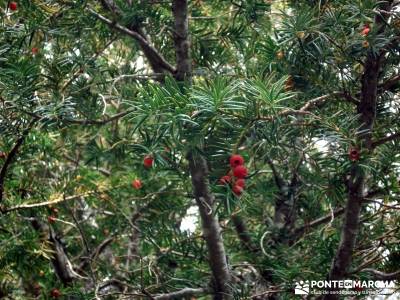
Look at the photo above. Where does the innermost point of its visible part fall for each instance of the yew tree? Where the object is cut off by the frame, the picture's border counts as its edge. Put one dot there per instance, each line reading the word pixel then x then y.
pixel 197 149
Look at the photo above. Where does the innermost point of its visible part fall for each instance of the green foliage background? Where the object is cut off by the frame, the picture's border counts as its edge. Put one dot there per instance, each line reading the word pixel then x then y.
pixel 252 61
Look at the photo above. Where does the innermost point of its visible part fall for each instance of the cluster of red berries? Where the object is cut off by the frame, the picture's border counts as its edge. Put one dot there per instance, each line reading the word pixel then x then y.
pixel 239 172
pixel 147 163
pixel 13 6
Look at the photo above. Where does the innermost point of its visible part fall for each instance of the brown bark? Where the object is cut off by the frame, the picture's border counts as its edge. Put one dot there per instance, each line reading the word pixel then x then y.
pixel 199 169
pixel 367 111
pixel 157 62
pixel 211 228
pixel 181 40
pixel 343 256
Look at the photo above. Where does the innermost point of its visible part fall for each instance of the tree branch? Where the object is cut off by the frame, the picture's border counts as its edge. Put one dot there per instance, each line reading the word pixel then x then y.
pixel 199 170
pixel 310 104
pixel 388 84
pixel 386 139
pixel 95 253
pixel 10 157
pixel 211 228
pixel 46 203
pixel 280 183
pixel 343 257
pixel 186 292
pixel 367 111
pixel 62 265
pixel 181 40
pixel 243 233
pixel 381 275
pixel 156 60
pixel 298 232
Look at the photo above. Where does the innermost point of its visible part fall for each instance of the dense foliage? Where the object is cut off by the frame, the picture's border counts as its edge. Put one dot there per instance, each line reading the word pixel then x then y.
pixel 114 129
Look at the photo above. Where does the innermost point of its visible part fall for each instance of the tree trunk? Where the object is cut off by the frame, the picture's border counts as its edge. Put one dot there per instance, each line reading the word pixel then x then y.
pixel 211 229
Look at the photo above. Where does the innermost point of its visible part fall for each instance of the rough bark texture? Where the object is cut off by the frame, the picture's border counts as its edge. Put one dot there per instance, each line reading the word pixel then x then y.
pixel 342 260
pixel 369 88
pixel 367 111
pixel 181 40
pixel 211 228
pixel 198 166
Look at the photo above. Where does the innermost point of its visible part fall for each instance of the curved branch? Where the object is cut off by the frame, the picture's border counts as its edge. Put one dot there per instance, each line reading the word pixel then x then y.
pixel 156 60
pixel 298 232
pixel 10 157
pixel 383 276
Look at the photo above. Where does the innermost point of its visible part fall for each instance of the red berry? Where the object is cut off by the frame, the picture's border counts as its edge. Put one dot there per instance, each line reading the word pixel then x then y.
pixel 236 160
pixel 354 154
pixel 51 219
pixel 225 180
pixel 137 184
pixel 237 190
pixel 365 31
pixel 240 172
pixel 241 182
pixel 55 293
pixel 36 289
pixel 34 50
pixel 13 5
pixel 148 161
pixel 2 155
